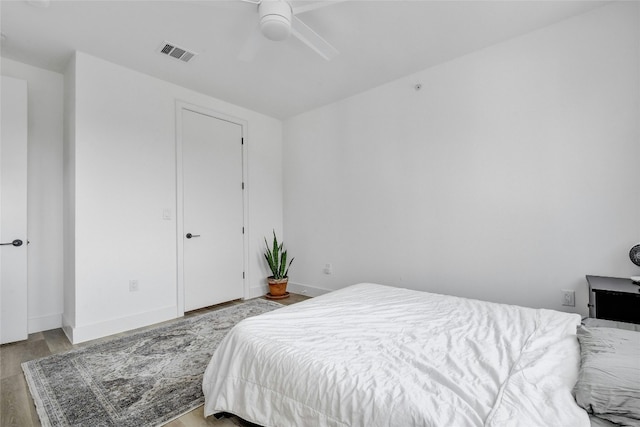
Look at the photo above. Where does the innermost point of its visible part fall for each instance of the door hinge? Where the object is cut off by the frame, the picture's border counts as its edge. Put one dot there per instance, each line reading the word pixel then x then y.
pixel 243 274
pixel 242 230
pixel 242 141
pixel 243 185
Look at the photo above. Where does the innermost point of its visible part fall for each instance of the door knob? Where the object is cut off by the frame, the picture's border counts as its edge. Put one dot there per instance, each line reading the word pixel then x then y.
pixel 16 242
pixel 189 235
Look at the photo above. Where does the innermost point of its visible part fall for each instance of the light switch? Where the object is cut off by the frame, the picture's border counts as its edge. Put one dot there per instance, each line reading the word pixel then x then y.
pixel 166 214
pixel 328 269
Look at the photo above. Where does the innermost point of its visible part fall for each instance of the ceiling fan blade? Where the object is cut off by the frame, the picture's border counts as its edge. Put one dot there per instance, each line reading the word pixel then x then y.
pixel 313 5
pixel 309 37
pixel 251 46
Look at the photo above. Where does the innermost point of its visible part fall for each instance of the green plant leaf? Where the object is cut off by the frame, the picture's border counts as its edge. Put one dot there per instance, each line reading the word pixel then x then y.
pixel 276 268
pixel 286 273
pixel 283 263
pixel 269 257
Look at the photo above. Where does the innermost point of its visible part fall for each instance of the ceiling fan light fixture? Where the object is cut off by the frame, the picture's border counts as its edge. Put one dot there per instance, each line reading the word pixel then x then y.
pixel 275 27
pixel 275 19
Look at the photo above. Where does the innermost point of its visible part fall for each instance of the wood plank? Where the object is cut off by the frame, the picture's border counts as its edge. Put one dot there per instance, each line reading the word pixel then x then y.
pixel 16 406
pixel 12 355
pixel 196 418
pixel 293 299
pixel 57 341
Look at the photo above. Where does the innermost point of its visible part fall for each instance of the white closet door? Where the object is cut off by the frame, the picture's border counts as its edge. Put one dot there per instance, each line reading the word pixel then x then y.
pixel 212 210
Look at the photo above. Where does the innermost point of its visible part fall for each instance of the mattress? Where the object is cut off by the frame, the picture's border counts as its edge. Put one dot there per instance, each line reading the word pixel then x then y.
pixel 373 355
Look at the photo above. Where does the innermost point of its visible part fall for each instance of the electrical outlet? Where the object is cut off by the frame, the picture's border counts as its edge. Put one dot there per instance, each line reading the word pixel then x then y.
pixel 133 286
pixel 328 269
pixel 569 298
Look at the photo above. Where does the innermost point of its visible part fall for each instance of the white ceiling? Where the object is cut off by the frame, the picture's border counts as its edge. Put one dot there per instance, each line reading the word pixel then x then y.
pixel 379 41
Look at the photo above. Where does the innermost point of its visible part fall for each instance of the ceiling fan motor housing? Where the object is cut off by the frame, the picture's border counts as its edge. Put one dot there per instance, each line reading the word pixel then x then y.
pixel 275 19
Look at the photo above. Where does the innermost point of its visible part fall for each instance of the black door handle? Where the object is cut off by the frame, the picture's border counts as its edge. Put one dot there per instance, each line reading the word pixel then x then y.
pixel 189 235
pixel 16 243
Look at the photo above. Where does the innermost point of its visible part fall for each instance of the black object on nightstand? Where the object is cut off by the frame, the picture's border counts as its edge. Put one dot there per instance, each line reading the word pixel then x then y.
pixel 614 298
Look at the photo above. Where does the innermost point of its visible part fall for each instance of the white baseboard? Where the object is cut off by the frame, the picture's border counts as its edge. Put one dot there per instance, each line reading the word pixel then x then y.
pixel 78 334
pixel 308 290
pixel 45 323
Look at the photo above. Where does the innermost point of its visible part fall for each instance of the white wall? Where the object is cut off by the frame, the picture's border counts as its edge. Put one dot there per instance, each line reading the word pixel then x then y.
pixel 44 192
pixel 510 175
pixel 125 176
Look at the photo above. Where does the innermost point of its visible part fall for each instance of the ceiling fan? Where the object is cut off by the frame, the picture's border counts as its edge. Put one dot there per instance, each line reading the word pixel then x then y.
pixel 278 21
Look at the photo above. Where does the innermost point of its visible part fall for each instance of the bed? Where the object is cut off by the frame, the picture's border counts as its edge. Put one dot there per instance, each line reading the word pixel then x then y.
pixel 373 355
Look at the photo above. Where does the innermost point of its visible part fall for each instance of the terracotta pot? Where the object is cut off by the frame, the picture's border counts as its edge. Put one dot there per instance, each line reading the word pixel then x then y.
pixel 277 287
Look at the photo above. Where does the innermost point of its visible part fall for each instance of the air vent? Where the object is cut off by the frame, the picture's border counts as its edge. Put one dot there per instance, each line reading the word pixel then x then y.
pixel 170 49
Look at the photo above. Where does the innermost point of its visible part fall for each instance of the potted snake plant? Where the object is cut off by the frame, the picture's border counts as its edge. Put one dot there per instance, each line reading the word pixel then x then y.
pixel 276 257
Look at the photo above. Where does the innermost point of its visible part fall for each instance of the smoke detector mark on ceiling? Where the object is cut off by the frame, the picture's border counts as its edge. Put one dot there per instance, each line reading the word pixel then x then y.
pixel 170 49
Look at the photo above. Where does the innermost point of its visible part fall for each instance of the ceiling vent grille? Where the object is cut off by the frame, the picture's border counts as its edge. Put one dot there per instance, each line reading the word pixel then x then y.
pixel 170 49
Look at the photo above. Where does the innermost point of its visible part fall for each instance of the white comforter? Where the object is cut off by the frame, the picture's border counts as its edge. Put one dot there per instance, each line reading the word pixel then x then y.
pixel 372 355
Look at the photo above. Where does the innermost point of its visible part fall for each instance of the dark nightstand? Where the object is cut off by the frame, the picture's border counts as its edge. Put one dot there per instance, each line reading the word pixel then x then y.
pixel 614 298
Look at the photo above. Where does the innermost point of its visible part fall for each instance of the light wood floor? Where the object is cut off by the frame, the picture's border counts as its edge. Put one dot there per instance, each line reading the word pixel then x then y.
pixel 16 405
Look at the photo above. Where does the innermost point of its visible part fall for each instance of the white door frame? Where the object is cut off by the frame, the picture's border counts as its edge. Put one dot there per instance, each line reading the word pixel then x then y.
pixel 180 107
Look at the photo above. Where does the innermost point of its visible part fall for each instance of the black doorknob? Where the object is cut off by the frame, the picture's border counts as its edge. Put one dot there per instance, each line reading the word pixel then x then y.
pixel 16 242
pixel 189 235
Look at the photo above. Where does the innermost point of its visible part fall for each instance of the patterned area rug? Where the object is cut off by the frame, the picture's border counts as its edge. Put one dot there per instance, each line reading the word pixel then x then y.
pixel 146 379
